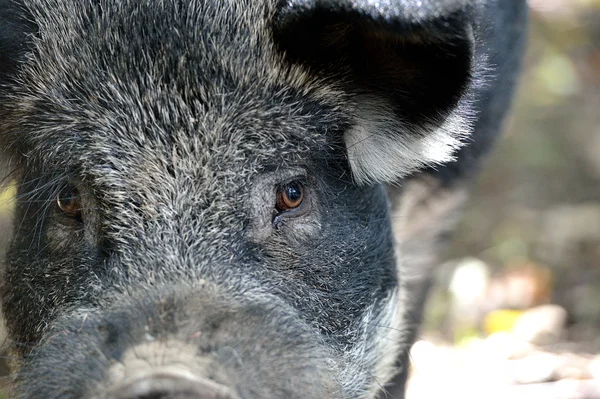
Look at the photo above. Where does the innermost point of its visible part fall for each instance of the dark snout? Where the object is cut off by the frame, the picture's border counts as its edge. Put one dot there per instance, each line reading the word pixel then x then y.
pixel 190 343
pixel 176 383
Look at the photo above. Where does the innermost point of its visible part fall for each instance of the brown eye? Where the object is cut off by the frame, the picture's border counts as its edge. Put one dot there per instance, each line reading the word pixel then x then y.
pixel 289 196
pixel 68 201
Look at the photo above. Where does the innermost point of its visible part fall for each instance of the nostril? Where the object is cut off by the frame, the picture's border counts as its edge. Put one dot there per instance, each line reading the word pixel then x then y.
pixel 170 386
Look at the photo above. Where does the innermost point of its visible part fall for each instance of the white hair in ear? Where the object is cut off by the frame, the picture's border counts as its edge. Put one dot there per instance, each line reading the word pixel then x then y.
pixel 383 148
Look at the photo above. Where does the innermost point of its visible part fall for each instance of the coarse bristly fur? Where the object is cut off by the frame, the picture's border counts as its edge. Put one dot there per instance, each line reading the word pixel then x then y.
pixel 179 123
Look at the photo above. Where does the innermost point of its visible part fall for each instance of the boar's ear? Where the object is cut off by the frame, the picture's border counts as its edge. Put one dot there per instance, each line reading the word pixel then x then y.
pixel 16 28
pixel 406 68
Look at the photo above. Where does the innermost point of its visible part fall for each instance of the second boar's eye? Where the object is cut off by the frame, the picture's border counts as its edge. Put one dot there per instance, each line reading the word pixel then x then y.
pixel 68 202
pixel 289 196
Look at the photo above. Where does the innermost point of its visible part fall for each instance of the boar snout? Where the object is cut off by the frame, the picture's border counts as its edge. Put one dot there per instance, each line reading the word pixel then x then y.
pixel 172 383
pixel 184 343
pixel 165 370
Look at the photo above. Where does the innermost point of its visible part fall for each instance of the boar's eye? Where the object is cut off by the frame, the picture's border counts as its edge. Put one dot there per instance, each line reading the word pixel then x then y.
pixel 292 200
pixel 289 196
pixel 68 201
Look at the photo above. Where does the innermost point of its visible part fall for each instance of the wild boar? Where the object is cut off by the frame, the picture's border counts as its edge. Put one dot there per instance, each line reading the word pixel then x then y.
pixel 202 208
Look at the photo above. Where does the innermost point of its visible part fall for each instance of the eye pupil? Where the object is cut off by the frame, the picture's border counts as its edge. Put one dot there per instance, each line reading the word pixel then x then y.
pixel 289 196
pixel 293 193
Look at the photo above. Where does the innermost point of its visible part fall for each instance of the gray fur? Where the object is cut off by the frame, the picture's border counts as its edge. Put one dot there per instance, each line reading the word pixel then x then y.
pixel 178 121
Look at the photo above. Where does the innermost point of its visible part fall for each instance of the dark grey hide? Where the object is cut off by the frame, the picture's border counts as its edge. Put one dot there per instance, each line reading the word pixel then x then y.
pixel 179 124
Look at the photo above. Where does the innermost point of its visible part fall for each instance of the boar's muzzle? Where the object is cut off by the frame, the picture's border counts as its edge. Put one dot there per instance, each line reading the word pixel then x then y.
pixel 181 343
pixel 176 384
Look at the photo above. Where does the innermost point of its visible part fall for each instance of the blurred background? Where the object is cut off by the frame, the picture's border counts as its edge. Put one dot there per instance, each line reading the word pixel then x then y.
pixel 516 309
